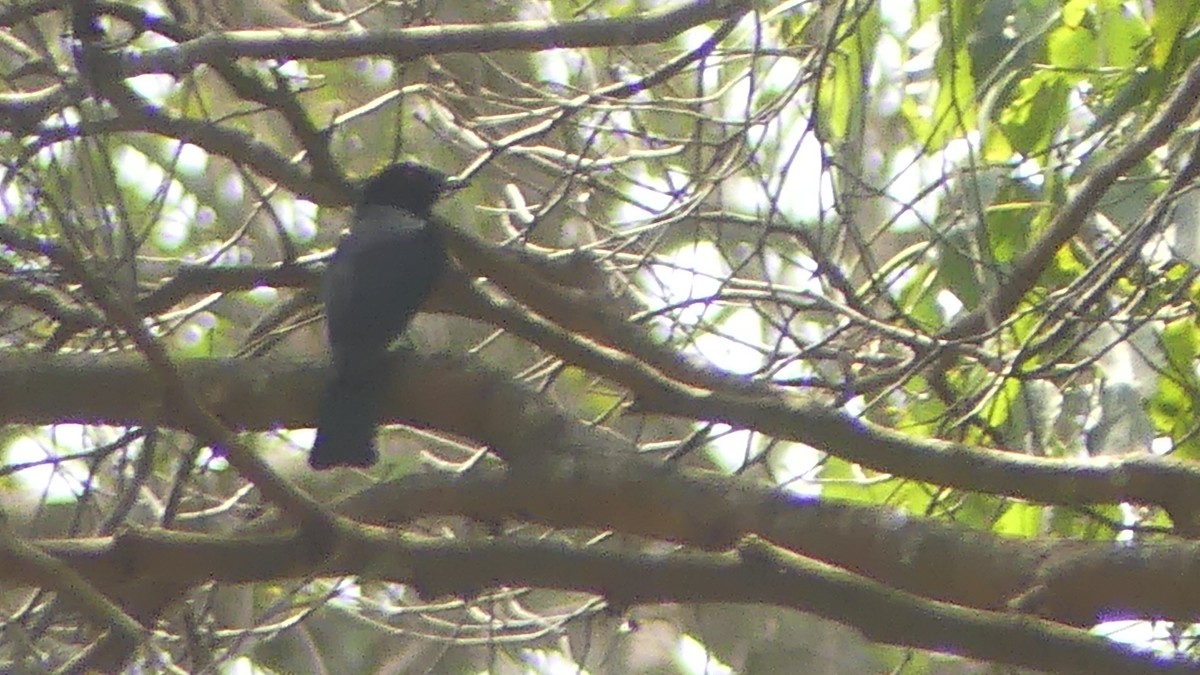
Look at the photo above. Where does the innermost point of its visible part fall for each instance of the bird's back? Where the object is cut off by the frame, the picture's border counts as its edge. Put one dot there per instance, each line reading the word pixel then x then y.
pixel 381 273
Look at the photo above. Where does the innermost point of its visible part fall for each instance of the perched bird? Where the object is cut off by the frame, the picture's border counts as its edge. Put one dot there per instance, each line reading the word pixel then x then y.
pixel 380 274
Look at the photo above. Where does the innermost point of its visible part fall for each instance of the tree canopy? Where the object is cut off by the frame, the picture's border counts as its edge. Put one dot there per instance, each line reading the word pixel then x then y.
pixel 777 337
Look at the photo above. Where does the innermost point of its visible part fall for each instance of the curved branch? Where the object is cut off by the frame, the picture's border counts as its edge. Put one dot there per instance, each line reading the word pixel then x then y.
pixel 1028 269
pixel 757 573
pixel 662 382
pixel 566 473
pixel 412 43
pixel 22 560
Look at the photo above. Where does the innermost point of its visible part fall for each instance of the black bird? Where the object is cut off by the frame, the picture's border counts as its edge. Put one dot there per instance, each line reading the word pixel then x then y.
pixel 380 274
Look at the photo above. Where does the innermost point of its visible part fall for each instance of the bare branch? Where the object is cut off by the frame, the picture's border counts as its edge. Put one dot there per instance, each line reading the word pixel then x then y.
pixel 412 43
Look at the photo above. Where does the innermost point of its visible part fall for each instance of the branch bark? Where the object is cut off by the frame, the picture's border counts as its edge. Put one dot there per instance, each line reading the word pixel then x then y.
pixel 411 43
pixel 565 473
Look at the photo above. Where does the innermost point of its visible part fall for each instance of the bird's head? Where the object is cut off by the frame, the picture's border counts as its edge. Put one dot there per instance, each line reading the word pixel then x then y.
pixel 407 185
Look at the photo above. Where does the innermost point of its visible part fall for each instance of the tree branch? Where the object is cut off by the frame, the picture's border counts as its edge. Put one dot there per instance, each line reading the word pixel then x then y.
pixel 412 43
pixel 998 305
pixel 569 474
pixel 761 573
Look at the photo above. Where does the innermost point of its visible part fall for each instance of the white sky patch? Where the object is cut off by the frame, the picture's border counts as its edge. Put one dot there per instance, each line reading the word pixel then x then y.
pixel 1079 114
pixel 907 180
pixel 1031 171
pixel 695 272
pixel 190 335
pixel 898 16
pixel 214 462
pixel 61 481
pixel 217 254
pixel 550 663
pixel 739 101
pixel 1143 634
pixel 806 188
pixel 910 175
pixel 949 303
pixel 782 74
pixel 795 369
pixel 298 216
pixel 923 44
pixel 731 449
pixel 179 208
pixel 615 125
pixel 233 190
pixel 134 168
pixel 693 658
pixel 791 466
pixel 11 201
pixel 887 75
pixel 265 295
pixel 648 196
pixel 691 272
pixel 242 665
pixel 558 66
pixel 303 438
pixel 798 271
pixel 1117 365
pixel 174 227
pixel 293 69
pixel 692 38
pixel 205 217
pixel 154 87
pixel 1162 445
pixel 191 160
pixel 63 153
pixel 958 152
pixel 197 328
pixel 731 346
pixel 743 194
pixel 154 9
pixel 381 71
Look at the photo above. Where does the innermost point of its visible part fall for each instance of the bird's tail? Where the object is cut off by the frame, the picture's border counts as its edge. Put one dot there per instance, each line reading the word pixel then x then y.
pixel 346 420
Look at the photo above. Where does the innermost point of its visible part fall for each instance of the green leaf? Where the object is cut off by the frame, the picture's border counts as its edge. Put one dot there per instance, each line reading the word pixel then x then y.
pixel 1076 12
pixel 1008 222
pixel 1171 21
pixel 840 99
pixel 847 483
pixel 998 408
pixel 954 110
pixel 1172 406
pixel 1072 48
pixel 1038 112
pixel 1123 35
pixel 1180 344
pixel 1067 523
pixel 918 299
pixel 957 271
pixel 1021 519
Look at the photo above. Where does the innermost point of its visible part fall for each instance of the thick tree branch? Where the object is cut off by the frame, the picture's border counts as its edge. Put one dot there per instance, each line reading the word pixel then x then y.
pixel 26 562
pixel 1059 580
pixel 180 397
pixel 760 573
pixel 412 43
pixel 665 382
pixel 569 474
